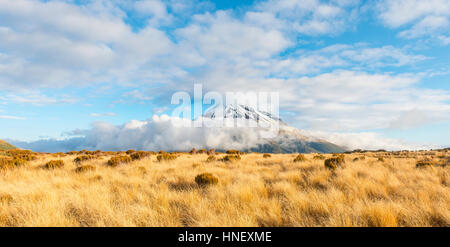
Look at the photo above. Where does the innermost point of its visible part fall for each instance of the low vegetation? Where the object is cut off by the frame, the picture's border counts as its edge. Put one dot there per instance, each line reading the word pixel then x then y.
pixel 166 157
pixel 206 179
pixel 230 158
pixel 300 158
pixel 120 159
pixel 407 189
pixel 53 164
pixel 334 163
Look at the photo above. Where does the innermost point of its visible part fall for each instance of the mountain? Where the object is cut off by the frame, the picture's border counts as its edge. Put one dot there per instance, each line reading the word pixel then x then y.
pixel 288 139
pixel 5 146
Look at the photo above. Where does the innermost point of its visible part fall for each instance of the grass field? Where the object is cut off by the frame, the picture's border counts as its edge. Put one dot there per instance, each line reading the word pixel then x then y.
pixel 377 189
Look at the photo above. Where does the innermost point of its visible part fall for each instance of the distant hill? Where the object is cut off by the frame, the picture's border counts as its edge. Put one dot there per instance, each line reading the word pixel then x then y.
pixel 6 146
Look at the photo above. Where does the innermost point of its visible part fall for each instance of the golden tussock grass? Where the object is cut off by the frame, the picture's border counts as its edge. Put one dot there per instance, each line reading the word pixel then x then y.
pixel 252 191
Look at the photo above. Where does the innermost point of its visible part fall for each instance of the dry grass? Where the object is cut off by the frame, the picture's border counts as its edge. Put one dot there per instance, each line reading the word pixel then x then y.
pixel 253 191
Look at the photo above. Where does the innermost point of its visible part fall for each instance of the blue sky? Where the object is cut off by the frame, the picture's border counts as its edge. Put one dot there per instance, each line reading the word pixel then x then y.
pixel 343 68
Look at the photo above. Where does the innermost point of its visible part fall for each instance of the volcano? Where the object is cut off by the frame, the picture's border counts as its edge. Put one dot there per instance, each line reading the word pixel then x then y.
pixel 288 139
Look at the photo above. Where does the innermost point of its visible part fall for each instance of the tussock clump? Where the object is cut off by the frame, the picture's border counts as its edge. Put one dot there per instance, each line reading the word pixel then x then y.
pixel 319 157
pixel 206 179
pixel 11 162
pixel 232 151
pixel 72 153
pixel 130 151
pixel 83 158
pixel 201 151
pixel 59 154
pixel 211 152
pixel 211 158
pixel 355 159
pixel 166 157
pixel 53 164
pixel 140 155
pixel 335 162
pixel 84 168
pixel 424 163
pixel 231 158
pixel 381 159
pixel 117 160
pixel 267 155
pixel 300 158
pixel 6 164
pixel 193 151
pixel 26 155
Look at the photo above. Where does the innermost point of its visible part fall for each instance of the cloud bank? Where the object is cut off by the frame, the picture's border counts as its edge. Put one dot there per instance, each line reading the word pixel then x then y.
pixel 165 133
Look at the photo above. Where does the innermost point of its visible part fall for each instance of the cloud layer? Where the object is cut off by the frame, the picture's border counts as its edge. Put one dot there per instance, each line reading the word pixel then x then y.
pixel 165 133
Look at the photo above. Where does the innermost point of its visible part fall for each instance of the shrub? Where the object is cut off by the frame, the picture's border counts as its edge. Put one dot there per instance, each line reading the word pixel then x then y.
pixel 231 151
pixel 19 162
pixel 267 155
pixel 52 164
pixel 231 158
pixel 355 159
pixel 26 155
pixel 335 162
pixel 120 159
pixel 300 158
pixel 83 158
pixel 319 157
pixel 6 163
pixel 85 168
pixel 211 152
pixel 211 158
pixel 140 155
pixel 201 151
pixel 381 159
pixel 166 157
pixel 423 164
pixel 206 179
pixel 193 151
pixel 130 151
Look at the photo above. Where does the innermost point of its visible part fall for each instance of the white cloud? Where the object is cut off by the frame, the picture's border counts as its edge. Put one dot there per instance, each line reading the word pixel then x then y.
pixel 106 114
pixel 162 133
pixel 11 117
pixel 426 17
pixel 312 17
pixel 368 141
pixel 340 55
pixel 56 44
pixel 37 99
pixel 156 9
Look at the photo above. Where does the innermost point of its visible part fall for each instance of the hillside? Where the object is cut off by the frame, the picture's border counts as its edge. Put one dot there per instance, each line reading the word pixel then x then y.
pixel 5 146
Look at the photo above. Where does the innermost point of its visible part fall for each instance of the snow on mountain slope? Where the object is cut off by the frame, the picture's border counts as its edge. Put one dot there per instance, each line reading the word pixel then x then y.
pixel 287 140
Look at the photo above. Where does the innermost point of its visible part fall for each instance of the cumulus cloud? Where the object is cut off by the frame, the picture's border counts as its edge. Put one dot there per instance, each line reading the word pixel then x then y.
pixel 311 17
pixel 57 44
pixel 368 141
pixel 420 17
pixel 159 133
pixel 169 133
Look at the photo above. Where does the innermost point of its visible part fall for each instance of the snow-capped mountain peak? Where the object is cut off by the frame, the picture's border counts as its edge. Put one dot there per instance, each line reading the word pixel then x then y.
pixel 243 112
